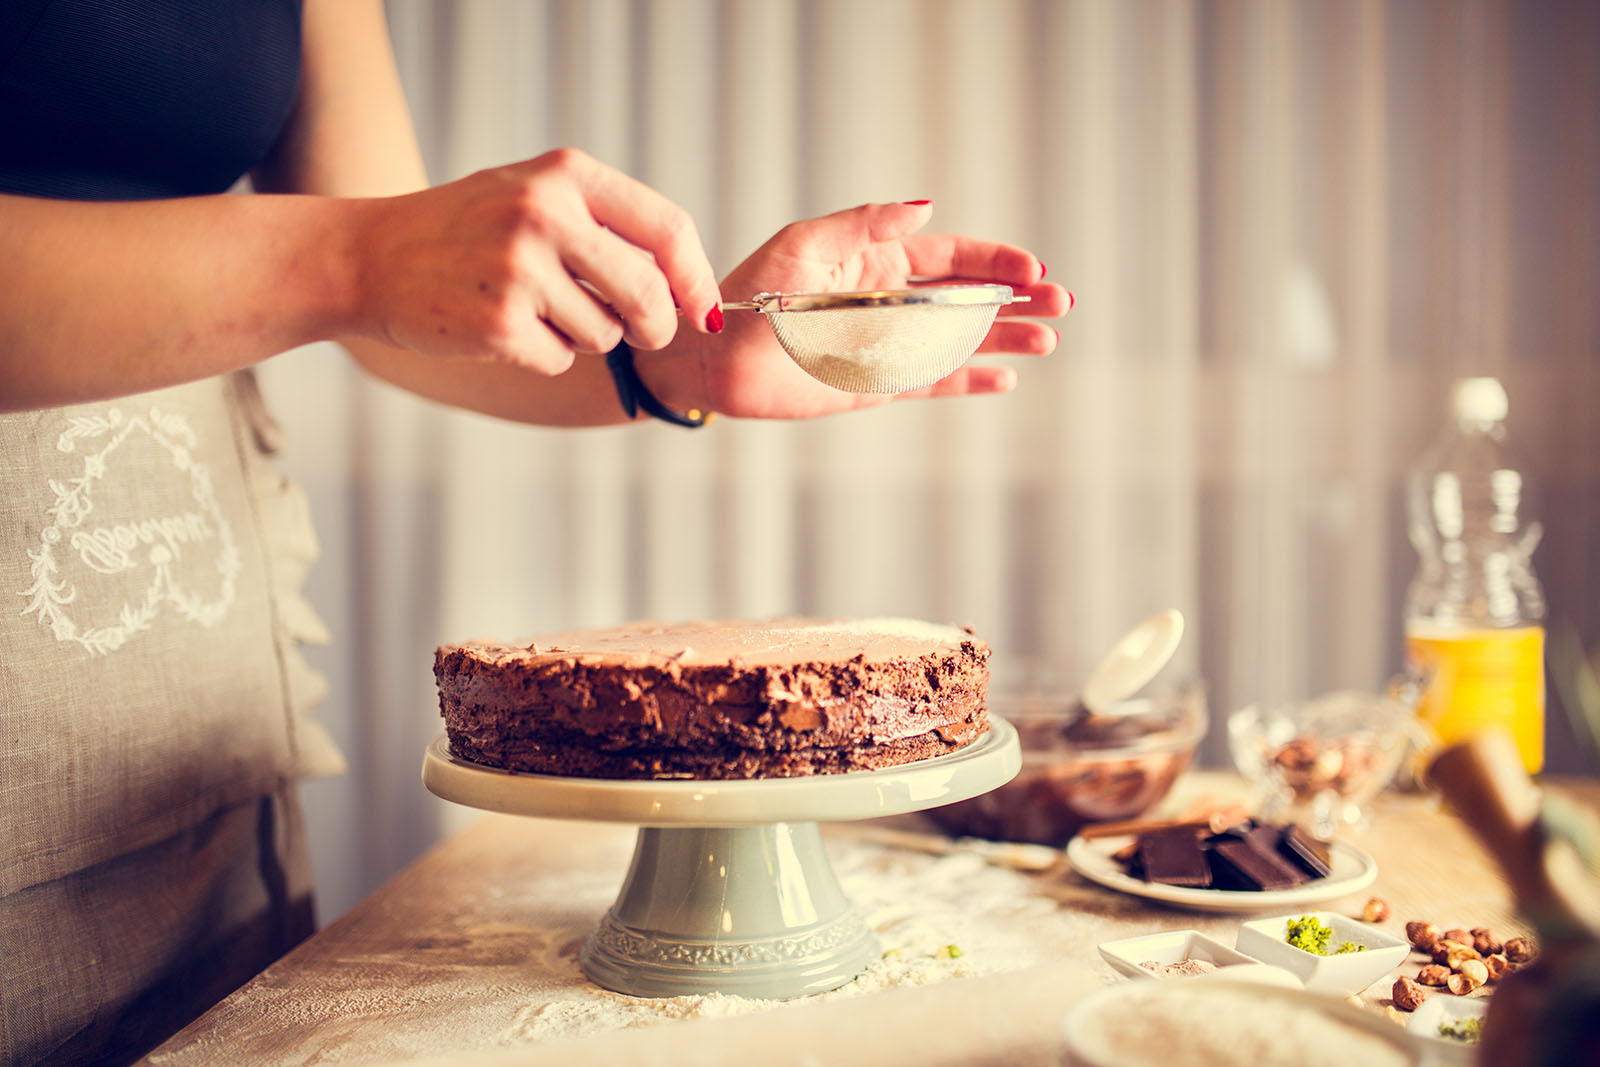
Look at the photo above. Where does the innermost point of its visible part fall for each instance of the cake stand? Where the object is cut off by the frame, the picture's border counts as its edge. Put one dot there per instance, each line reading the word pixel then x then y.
pixel 730 889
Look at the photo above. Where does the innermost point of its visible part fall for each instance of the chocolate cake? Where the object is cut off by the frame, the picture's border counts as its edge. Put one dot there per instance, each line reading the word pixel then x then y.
pixel 777 698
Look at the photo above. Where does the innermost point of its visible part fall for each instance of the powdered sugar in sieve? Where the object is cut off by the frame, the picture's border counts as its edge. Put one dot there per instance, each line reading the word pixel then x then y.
pixel 887 341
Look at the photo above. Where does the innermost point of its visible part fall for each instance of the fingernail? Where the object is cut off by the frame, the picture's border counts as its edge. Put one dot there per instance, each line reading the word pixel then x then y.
pixel 1072 301
pixel 1043 270
pixel 916 203
pixel 714 320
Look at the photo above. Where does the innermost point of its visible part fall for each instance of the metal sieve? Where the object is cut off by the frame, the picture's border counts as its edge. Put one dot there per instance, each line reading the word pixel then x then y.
pixel 888 341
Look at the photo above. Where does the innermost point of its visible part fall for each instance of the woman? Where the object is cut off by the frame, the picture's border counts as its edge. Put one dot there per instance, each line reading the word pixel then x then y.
pixel 151 856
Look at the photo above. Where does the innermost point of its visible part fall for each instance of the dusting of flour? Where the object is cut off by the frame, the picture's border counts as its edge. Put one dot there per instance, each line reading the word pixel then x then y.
pixel 936 918
pixel 495 965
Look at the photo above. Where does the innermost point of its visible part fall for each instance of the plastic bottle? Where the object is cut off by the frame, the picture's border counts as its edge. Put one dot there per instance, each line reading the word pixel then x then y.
pixel 1474 612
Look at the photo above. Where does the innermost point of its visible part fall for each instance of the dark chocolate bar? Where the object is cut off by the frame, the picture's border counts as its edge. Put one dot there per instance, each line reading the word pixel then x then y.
pixel 1309 853
pixel 1240 865
pixel 1266 839
pixel 1174 857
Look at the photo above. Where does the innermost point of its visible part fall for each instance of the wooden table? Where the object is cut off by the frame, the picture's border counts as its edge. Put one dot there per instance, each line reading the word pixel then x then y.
pixel 466 949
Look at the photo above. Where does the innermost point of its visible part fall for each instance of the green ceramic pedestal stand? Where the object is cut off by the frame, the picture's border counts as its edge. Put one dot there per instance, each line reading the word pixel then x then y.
pixel 730 889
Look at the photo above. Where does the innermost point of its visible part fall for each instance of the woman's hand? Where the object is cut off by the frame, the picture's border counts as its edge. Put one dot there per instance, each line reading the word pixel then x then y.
pixel 528 263
pixel 745 372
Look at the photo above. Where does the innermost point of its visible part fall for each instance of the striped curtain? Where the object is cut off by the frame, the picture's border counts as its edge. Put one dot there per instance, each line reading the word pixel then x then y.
pixel 1288 225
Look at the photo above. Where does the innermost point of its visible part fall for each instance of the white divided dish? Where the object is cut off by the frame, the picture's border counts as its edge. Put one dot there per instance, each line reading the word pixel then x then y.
pixel 1343 974
pixel 1439 1010
pixel 1126 957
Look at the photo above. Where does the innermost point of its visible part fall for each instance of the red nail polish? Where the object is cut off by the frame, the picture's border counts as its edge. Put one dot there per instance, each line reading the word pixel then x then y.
pixel 1072 301
pixel 916 203
pixel 714 320
pixel 1043 270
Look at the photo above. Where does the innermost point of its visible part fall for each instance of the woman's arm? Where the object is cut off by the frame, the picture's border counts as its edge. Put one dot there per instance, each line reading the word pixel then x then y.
pixel 100 300
pixel 352 136
pixel 105 299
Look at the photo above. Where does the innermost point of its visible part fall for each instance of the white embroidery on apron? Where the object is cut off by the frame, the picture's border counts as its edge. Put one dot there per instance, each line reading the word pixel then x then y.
pixel 120 547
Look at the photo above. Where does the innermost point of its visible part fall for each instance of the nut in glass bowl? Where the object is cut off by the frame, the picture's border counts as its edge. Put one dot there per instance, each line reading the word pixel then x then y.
pixel 1323 759
pixel 1080 768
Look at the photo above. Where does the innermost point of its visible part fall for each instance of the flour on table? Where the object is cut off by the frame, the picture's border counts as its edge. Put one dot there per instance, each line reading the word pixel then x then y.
pixel 936 917
pixel 496 965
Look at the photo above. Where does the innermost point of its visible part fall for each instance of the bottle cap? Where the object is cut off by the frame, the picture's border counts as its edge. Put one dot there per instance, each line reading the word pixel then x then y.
pixel 1479 400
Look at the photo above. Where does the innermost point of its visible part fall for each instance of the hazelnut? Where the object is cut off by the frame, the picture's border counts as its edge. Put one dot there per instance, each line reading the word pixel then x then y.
pixel 1521 949
pixel 1498 966
pixel 1462 955
pixel 1422 935
pixel 1443 948
pixel 1461 985
pixel 1298 754
pixel 1483 940
pixel 1458 934
pixel 1375 911
pixel 1475 970
pixel 1327 767
pixel 1434 974
pixel 1408 995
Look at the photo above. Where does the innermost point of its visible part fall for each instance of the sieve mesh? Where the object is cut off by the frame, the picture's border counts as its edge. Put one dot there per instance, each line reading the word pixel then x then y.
pixel 887 342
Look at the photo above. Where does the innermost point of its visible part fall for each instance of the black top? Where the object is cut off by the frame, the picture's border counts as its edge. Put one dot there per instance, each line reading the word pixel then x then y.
pixel 140 99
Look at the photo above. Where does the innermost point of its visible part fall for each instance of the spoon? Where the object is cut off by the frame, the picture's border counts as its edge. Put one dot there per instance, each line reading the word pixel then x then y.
pixel 1132 662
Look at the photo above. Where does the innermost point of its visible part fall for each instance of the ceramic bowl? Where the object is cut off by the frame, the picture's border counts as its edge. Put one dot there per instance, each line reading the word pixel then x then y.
pixel 1438 1010
pixel 1228 1024
pixel 1079 769
pixel 1345 974
pixel 1126 957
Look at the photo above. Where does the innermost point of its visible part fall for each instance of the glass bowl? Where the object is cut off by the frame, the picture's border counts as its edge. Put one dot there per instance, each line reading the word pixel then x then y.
pixel 1079 768
pixel 1324 759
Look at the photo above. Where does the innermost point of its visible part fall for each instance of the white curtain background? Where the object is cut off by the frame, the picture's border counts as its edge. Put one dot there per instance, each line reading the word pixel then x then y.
pixel 1289 225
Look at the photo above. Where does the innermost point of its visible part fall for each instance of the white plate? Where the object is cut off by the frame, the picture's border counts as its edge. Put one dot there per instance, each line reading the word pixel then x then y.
pixel 1352 870
pixel 1244 1014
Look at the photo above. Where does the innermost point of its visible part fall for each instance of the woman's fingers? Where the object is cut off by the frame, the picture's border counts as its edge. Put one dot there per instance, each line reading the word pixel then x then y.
pixel 506 263
pixel 969 380
pixel 949 255
pixel 629 285
pixel 1046 300
pixel 1019 337
pixel 643 218
pixel 838 237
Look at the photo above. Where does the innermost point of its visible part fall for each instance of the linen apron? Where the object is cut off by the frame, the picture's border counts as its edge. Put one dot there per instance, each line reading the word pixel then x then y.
pixel 153 705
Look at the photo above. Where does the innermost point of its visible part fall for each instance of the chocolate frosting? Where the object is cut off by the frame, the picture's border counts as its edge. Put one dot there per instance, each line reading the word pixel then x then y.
pixel 723 699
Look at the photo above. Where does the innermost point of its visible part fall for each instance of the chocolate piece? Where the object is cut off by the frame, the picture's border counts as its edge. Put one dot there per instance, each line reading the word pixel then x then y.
pixel 1174 857
pixel 1240 865
pixel 1265 839
pixel 1310 854
pixel 778 698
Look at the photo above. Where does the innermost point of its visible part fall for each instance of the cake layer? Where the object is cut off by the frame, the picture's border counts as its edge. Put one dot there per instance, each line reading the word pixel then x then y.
pixel 778 698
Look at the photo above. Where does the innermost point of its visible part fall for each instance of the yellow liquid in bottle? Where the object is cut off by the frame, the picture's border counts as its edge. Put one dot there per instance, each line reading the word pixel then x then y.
pixel 1480 678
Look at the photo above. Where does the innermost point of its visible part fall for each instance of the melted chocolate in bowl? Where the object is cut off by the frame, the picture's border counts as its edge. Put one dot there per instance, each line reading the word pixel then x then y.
pixel 1079 768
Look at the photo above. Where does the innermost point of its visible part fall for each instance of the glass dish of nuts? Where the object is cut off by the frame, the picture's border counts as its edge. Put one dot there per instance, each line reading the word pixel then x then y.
pixel 1322 761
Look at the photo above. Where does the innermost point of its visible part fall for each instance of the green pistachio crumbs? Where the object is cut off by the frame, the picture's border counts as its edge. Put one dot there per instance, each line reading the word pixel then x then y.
pixel 1467 1030
pixel 1309 934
